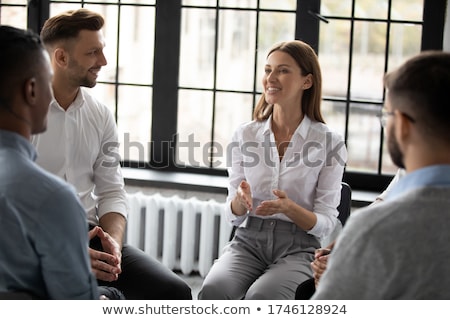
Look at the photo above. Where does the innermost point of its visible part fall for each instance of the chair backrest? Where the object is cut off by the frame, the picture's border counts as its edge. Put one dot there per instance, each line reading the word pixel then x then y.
pixel 345 205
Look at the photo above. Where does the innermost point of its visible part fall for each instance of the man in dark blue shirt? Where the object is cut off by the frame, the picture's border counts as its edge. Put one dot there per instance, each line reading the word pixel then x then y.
pixel 36 207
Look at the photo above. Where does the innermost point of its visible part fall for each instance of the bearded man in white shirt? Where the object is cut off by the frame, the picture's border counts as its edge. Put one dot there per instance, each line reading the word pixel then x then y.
pixel 81 146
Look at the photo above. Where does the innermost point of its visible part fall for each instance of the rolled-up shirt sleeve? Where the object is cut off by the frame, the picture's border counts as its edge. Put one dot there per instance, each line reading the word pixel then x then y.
pixel 108 179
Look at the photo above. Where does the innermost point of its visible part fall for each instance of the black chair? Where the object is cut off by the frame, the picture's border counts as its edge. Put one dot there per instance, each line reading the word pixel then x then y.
pixel 345 205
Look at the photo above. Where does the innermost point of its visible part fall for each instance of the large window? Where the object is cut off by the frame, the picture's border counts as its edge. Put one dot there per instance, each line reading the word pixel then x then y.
pixel 183 74
pixel 361 41
pixel 222 52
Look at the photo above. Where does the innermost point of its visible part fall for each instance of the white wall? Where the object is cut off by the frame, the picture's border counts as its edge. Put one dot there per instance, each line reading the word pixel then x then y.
pixel 447 29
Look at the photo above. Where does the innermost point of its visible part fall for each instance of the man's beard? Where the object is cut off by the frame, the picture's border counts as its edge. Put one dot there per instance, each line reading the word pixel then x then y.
pixel 394 149
pixel 79 76
pixel 85 82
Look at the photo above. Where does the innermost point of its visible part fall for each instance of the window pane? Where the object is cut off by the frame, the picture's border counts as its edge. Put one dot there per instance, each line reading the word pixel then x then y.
pixel 368 60
pixel 334 58
pixel 134 122
pixel 334 114
pixel 363 138
pixel 110 13
pixel 278 5
pixel 56 8
pixel 371 9
pixel 19 2
pixel 232 109
pixel 83 3
pixel 274 27
pixel 203 3
pixel 197 48
pixel 238 3
pixel 137 34
pixel 341 8
pixel 14 16
pixel 236 52
pixel 405 42
pixel 143 2
pixel 194 128
pixel 407 10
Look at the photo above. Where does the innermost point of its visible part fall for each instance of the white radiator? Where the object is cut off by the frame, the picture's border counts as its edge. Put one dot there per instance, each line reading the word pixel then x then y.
pixel 184 234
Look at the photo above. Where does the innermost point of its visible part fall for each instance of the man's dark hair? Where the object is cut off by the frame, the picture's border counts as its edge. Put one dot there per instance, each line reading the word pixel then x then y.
pixel 67 25
pixel 421 89
pixel 20 49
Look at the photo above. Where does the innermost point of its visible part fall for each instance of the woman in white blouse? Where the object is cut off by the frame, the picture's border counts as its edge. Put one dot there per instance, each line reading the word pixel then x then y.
pixel 285 182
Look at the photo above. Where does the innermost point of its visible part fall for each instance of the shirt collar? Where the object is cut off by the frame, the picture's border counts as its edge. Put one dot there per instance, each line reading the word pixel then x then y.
pixel 301 130
pixel 76 104
pixel 436 175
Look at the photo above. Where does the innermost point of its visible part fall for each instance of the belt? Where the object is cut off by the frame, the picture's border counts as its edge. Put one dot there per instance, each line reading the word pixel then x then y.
pixel 270 224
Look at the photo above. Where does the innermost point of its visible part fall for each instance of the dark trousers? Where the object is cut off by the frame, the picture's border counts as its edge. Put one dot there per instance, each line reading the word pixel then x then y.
pixel 305 290
pixel 145 278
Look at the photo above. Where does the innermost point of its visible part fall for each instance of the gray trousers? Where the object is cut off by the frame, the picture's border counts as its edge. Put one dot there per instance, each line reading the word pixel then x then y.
pixel 266 260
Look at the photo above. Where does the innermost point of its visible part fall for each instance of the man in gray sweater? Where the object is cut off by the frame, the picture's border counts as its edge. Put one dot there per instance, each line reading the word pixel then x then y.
pixel 398 249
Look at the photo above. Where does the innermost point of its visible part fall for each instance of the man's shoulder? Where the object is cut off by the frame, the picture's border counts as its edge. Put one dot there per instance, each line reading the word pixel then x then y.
pixel 46 181
pixel 408 206
pixel 419 197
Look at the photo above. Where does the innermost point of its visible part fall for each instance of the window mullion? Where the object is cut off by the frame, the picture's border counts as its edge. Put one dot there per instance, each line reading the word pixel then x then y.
pixel 165 82
pixel 307 26
pixel 38 13
pixel 433 24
